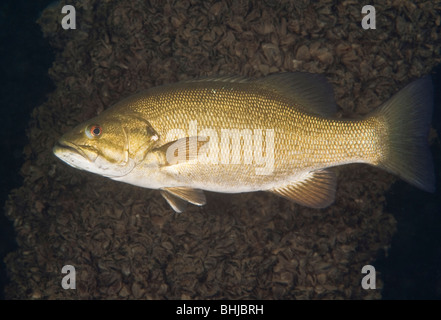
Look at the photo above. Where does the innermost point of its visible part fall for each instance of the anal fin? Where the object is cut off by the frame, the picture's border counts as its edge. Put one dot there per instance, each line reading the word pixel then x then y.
pixel 315 190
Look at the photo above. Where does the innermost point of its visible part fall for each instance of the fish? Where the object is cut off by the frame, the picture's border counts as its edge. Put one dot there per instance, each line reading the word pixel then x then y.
pixel 233 134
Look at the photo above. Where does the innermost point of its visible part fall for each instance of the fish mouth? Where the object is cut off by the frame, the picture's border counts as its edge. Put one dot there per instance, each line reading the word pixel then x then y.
pixel 64 147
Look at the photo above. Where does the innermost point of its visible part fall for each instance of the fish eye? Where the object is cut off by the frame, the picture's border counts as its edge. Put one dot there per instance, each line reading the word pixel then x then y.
pixel 94 131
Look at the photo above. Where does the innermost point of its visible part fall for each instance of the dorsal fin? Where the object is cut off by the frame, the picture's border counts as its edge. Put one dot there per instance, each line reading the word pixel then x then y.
pixel 307 91
pixel 228 78
pixel 315 190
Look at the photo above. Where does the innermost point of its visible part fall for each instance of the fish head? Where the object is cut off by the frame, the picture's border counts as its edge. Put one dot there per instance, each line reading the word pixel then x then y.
pixel 110 145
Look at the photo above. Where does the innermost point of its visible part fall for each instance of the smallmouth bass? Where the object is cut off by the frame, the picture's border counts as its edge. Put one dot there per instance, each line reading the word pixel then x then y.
pixel 233 134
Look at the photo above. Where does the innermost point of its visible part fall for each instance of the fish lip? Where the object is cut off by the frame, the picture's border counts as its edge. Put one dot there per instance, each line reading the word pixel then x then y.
pixel 71 147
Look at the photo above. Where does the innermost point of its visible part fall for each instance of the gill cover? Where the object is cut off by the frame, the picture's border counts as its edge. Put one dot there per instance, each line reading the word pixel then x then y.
pixel 139 136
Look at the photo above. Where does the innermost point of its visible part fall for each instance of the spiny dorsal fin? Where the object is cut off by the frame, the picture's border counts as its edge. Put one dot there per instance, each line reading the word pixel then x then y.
pixel 228 78
pixel 316 190
pixel 194 196
pixel 307 91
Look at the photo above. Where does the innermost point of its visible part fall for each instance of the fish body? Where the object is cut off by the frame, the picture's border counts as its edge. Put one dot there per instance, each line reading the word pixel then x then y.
pixel 232 134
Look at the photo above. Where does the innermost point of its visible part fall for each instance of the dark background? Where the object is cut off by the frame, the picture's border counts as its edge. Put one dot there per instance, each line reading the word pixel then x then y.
pixel 412 269
pixel 25 58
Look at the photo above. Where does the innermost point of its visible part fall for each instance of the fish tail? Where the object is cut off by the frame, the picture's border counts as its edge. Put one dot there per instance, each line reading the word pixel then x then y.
pixel 408 117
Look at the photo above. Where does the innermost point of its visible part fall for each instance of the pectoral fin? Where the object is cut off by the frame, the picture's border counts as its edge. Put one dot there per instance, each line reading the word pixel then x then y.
pixel 182 150
pixel 177 197
pixel 315 190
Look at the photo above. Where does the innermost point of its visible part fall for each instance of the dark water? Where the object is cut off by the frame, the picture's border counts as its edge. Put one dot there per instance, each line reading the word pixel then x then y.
pixel 24 60
pixel 412 269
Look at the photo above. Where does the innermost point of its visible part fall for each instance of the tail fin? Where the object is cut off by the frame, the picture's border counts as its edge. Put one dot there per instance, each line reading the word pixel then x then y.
pixel 408 117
